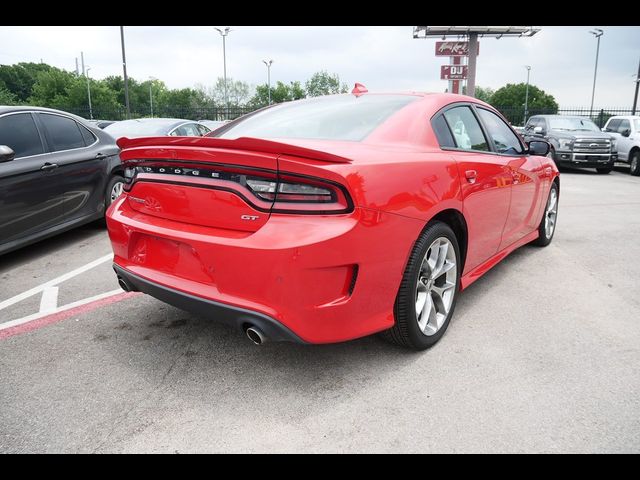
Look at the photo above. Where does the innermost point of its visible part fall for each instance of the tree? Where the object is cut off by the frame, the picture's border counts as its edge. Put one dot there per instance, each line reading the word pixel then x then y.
pixel 484 94
pixel 281 92
pixel 51 88
pixel 19 79
pixel 510 101
pixel 238 92
pixel 6 97
pixel 323 83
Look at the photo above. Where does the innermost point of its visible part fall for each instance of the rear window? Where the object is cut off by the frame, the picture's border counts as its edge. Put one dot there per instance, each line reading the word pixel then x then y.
pixel 339 117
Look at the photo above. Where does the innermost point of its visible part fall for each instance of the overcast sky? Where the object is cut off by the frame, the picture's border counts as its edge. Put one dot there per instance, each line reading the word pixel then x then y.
pixel 383 58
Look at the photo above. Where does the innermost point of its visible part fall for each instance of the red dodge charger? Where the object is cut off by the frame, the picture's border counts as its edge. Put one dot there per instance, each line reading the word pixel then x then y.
pixel 332 218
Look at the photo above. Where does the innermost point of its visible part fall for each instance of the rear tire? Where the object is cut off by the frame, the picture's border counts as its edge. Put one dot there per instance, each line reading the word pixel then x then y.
pixel 113 191
pixel 429 290
pixel 604 170
pixel 547 226
pixel 635 164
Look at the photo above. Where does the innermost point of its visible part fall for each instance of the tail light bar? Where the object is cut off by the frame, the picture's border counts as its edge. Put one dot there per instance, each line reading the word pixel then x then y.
pixel 286 192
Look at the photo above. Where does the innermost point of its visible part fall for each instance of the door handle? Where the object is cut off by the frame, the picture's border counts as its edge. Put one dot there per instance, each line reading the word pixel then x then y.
pixel 100 155
pixel 49 166
pixel 471 176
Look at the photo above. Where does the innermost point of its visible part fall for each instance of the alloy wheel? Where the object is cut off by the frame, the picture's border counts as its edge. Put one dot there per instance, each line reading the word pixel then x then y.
pixel 435 287
pixel 551 213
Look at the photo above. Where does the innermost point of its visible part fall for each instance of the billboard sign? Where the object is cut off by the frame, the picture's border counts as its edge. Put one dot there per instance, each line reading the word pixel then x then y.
pixel 453 49
pixel 453 72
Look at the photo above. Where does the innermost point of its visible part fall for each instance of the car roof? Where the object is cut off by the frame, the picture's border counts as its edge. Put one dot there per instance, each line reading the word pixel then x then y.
pixel 625 117
pixel 25 108
pixel 158 122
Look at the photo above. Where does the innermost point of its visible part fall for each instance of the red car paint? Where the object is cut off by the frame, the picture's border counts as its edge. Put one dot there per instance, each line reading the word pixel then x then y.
pixel 298 267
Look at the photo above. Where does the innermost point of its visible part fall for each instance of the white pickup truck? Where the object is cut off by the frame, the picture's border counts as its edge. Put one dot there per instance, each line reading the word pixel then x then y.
pixel 626 130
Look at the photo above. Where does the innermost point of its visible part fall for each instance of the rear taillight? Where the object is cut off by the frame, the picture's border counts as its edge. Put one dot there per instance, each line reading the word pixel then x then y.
pixel 287 193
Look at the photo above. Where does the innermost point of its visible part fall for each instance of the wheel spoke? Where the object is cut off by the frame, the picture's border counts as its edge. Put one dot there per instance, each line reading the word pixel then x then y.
pixel 424 317
pixel 432 255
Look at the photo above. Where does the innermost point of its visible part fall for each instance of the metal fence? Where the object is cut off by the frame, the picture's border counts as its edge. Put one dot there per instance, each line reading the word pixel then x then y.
pixel 599 115
pixel 515 115
pixel 188 113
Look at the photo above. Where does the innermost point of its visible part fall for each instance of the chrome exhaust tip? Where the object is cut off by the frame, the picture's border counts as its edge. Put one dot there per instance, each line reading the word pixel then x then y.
pixel 256 336
pixel 123 285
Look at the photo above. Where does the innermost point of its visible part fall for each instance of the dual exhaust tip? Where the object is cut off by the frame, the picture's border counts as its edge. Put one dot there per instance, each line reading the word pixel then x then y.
pixel 256 336
pixel 253 333
pixel 124 285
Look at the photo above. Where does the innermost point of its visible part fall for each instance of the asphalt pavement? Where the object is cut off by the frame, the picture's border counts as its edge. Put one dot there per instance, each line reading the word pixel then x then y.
pixel 543 355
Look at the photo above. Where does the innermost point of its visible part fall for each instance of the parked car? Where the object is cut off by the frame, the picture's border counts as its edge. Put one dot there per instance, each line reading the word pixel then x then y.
pixel 626 131
pixel 575 141
pixel 56 172
pixel 213 124
pixel 332 218
pixel 156 127
pixel 100 123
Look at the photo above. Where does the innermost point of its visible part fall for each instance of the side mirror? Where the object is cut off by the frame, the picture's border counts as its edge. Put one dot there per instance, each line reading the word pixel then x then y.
pixel 6 154
pixel 538 130
pixel 604 129
pixel 626 132
pixel 538 147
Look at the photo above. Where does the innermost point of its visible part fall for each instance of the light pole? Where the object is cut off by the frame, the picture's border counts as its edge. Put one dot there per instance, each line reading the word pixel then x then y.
pixel 598 33
pixel 124 71
pixel 526 96
pixel 224 34
pixel 151 79
pixel 89 93
pixel 635 97
pixel 268 64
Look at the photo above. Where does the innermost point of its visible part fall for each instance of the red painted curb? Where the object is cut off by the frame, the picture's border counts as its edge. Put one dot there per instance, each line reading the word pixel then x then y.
pixel 59 316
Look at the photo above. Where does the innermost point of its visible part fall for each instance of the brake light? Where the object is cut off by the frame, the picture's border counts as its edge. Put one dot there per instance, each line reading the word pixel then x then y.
pixel 284 192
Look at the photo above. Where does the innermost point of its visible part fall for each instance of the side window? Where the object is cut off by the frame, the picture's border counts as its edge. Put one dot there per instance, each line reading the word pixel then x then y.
pixel 503 137
pixel 613 125
pixel 89 138
pixel 19 132
pixel 63 133
pixel 189 130
pixel 624 125
pixel 202 129
pixel 466 129
pixel 532 123
pixel 443 134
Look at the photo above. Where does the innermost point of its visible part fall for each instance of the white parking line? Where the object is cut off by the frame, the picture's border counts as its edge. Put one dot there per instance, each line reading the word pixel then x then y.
pixel 49 300
pixel 55 281
pixel 36 316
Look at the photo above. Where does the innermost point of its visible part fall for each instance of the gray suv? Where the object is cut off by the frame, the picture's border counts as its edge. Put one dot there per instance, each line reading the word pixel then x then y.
pixel 575 141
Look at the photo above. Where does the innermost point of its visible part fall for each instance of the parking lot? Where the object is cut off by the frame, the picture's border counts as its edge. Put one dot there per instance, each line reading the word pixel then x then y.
pixel 543 355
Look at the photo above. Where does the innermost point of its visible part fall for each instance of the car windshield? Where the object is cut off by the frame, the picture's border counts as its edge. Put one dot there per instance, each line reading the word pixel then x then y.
pixel 134 128
pixel 336 117
pixel 572 124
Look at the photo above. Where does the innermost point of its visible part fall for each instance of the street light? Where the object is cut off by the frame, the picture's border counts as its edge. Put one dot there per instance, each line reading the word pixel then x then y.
pixel 89 93
pixel 224 59
pixel 526 95
pixel 151 94
pixel 597 33
pixel 268 64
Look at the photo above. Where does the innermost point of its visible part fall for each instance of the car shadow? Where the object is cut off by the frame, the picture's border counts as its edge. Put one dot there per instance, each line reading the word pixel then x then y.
pixel 49 246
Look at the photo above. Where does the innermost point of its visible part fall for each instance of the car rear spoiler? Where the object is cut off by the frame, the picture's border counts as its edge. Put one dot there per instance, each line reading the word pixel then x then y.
pixel 242 143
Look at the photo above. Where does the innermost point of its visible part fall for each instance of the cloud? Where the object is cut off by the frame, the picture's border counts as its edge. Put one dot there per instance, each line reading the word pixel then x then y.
pixel 383 58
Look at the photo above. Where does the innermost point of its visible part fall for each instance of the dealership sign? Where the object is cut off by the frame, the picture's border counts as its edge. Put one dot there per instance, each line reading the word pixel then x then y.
pixel 453 72
pixel 453 49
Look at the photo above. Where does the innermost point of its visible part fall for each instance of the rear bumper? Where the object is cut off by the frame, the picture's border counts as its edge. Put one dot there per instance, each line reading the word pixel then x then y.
pixel 324 278
pixel 234 316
